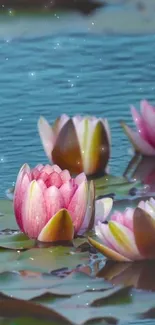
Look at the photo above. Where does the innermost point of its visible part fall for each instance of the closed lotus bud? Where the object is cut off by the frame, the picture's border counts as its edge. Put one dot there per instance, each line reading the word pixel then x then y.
pixel 79 144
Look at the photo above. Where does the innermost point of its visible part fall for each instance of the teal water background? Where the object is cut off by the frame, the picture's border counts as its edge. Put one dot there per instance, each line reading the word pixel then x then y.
pixel 75 73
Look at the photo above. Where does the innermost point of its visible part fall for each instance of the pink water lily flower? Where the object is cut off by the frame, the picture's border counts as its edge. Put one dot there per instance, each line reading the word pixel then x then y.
pixel 144 139
pixel 129 235
pixel 79 144
pixel 50 206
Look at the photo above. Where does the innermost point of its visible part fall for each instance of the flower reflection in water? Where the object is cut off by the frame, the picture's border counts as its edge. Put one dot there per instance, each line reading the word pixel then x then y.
pixel 138 274
pixel 143 169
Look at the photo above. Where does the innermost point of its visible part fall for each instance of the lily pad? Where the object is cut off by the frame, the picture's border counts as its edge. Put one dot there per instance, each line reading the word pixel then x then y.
pixel 78 282
pixel 26 320
pixel 17 307
pixel 7 257
pixel 15 281
pixel 14 285
pixel 16 241
pixel 49 259
pixel 109 180
pixel 80 308
pixel 119 189
pixel 114 185
pixel 7 218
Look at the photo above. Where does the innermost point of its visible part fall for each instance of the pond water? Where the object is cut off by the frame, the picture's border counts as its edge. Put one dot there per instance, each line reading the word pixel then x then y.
pixel 74 72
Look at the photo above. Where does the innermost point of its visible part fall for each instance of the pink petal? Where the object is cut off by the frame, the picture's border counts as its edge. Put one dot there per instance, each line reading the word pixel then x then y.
pixel 78 206
pixel 47 136
pixel 65 175
pixel 103 232
pixel 89 219
pixel 80 178
pixel 34 210
pixel 67 190
pixel 140 123
pixel 128 218
pixel 107 128
pixel 56 168
pixel 76 120
pixel 148 113
pixel 39 167
pixel 102 209
pixel 23 180
pixel 62 121
pixel 50 169
pixel 122 242
pixel 36 171
pixel 54 201
pixel 140 144
pixel 42 185
pixel 141 205
pixel 146 106
pixel 118 216
pixel 54 179
pixel 44 176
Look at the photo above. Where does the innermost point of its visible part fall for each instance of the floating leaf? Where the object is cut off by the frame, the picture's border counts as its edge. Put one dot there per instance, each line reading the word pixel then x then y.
pixel 49 259
pixel 77 242
pixel 15 281
pixel 26 288
pixel 114 296
pixel 110 184
pixel 26 320
pixel 109 180
pixel 78 282
pixel 7 219
pixel 79 308
pixel 120 189
pixel 16 307
pixel 7 257
pixel 16 241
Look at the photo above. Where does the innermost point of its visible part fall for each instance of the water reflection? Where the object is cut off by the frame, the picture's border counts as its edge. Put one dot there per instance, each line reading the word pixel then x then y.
pixel 138 274
pixel 143 169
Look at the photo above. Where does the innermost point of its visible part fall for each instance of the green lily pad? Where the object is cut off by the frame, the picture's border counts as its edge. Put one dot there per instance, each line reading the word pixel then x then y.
pixel 113 184
pixel 79 241
pixel 15 281
pixel 49 259
pixel 109 180
pixel 16 241
pixel 7 218
pixel 7 257
pixel 16 286
pixel 78 282
pixel 120 189
pixel 80 308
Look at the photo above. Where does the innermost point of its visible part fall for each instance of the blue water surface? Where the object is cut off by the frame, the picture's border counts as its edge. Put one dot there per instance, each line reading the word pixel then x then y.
pixel 72 73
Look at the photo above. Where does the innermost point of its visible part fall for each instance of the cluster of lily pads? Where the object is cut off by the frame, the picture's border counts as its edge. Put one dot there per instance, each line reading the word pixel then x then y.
pixel 56 203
